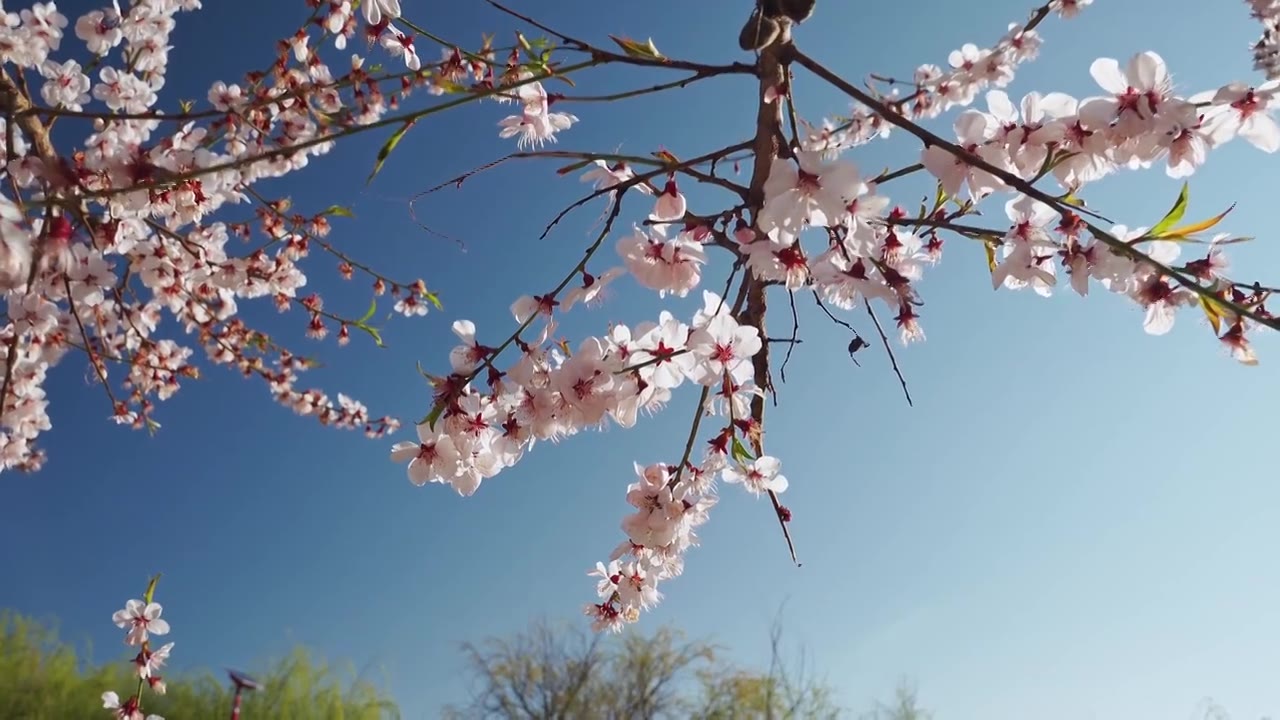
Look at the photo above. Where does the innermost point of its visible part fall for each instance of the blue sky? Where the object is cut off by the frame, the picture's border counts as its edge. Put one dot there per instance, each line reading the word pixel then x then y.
pixel 1075 521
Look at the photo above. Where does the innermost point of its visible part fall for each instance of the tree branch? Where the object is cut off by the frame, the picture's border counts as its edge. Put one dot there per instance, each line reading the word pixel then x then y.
pixel 889 349
pixel 1014 182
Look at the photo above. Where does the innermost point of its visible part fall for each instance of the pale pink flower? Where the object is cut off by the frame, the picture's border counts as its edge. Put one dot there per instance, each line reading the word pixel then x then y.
pixel 667 265
pixel 465 357
pixel 127 710
pixel 604 176
pixel 1245 111
pixel 147 663
pixel 534 129
pixel 586 382
pixel 398 44
pixel 974 130
pixel 761 476
pixel 592 288
pixel 375 11
pixel 1028 251
pixel 100 30
pixel 432 459
pixel 724 346
pixel 142 619
pixel 65 85
pixel 807 191
pixel 664 348
pixel 1138 92
pixel 670 205
pixel 1181 132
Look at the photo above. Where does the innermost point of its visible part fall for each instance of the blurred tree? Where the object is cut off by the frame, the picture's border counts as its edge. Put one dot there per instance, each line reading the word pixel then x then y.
pixel 905 706
pixel 562 673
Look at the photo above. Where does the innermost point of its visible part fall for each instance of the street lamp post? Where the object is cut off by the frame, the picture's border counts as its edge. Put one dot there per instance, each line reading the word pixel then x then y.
pixel 242 682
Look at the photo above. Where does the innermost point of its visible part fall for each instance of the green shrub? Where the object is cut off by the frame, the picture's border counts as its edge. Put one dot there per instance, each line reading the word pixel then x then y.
pixel 43 678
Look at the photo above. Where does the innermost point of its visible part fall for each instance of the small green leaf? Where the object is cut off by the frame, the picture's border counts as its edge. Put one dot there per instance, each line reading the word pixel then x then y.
pixel 1213 312
pixel 1175 213
pixel 1061 157
pixel 433 299
pixel 432 417
pixel 1193 228
pixel 989 245
pixel 740 451
pixel 387 148
pixel 667 157
pixel 149 595
pixel 646 50
pixel 373 333
pixel 339 210
pixel 373 308
pixel 449 86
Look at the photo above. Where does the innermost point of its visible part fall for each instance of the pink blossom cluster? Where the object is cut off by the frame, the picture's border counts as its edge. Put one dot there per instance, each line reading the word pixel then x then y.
pixel 1266 52
pixel 1137 123
pixel 105 246
pixel 861 248
pixel 970 70
pixel 141 620
pixel 551 392
pixel 668 508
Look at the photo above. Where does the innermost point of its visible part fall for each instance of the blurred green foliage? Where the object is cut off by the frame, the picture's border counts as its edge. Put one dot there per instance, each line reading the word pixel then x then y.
pixel 44 678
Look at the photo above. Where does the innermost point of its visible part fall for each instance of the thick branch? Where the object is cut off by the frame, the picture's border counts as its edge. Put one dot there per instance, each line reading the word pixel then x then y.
pixel 769 144
pixel 18 105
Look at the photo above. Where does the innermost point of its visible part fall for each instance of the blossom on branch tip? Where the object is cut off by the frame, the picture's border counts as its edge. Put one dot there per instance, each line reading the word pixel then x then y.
pixel 142 620
pixel 761 476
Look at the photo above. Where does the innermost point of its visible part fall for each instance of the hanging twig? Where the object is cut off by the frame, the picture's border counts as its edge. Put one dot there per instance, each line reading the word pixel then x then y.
pixel 795 330
pixel 889 349
pixel 857 343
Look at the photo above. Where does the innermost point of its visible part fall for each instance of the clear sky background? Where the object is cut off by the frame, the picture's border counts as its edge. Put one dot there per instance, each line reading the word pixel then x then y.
pixel 1076 521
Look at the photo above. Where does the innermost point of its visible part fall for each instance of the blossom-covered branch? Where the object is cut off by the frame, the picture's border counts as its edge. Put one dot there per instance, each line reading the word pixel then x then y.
pixel 123 247
pixel 863 250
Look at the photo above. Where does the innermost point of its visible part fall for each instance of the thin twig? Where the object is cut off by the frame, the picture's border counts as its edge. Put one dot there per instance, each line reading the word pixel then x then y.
pixel 645 177
pixel 889 349
pixel 818 299
pixel 94 359
pixel 795 330
pixel 638 92
pixel 887 175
